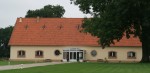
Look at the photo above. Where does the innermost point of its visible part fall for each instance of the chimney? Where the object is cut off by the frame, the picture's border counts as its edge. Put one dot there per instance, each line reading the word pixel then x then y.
pixel 38 19
pixel 20 19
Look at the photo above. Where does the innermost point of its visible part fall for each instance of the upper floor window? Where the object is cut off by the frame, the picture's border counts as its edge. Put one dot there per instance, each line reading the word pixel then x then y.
pixel 112 54
pixel 131 55
pixel 21 53
pixel 39 53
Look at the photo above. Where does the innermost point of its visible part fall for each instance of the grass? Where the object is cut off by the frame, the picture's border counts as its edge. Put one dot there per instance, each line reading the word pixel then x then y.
pixel 2 63
pixel 87 68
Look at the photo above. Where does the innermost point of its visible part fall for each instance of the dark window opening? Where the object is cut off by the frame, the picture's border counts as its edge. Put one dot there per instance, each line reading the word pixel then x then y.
pixel 39 54
pixel 131 55
pixel 57 52
pixel 21 53
pixel 112 54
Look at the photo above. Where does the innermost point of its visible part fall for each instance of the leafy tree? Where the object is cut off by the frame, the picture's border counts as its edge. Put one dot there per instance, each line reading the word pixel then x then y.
pixel 113 19
pixel 47 11
pixel 5 34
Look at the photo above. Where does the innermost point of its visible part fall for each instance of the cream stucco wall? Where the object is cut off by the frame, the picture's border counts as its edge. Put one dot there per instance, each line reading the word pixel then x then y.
pixel 101 53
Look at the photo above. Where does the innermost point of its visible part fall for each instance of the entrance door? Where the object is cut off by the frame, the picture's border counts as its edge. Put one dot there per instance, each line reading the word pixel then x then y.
pixel 73 55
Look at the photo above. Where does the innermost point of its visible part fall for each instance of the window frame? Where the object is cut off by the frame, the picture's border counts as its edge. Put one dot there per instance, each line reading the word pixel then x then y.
pixel 131 57
pixel 21 54
pixel 112 57
pixel 93 53
pixel 57 52
pixel 39 54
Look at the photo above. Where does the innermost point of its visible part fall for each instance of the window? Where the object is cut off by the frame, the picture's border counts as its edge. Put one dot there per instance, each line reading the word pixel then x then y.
pixel 44 26
pixel 131 55
pixel 112 54
pixel 57 52
pixel 93 53
pixel 60 27
pixel 65 55
pixel 78 26
pixel 26 27
pixel 21 53
pixel 39 54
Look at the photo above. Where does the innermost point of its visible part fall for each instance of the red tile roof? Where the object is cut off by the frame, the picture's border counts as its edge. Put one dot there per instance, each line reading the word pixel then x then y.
pixel 56 32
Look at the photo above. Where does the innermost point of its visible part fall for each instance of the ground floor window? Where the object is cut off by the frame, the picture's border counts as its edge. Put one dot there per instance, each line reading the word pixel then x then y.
pixel 131 55
pixel 93 53
pixel 112 54
pixel 39 53
pixel 57 52
pixel 21 53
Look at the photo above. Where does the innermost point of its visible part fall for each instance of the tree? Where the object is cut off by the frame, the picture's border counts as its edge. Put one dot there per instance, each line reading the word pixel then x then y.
pixel 47 11
pixel 5 34
pixel 113 19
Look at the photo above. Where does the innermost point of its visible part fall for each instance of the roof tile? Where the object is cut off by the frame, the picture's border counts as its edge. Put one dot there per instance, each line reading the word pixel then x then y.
pixel 57 31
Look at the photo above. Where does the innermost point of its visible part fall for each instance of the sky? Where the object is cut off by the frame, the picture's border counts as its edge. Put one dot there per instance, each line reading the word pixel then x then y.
pixel 10 10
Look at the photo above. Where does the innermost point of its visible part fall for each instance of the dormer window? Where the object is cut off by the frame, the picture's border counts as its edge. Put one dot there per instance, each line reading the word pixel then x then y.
pixel 60 26
pixel 78 26
pixel 26 27
pixel 44 26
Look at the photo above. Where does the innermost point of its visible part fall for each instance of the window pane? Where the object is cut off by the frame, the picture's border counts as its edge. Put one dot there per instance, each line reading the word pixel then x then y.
pixel 81 55
pixel 131 54
pixel 70 55
pixel 39 53
pixel 65 55
pixel 112 54
pixel 21 53
pixel 74 55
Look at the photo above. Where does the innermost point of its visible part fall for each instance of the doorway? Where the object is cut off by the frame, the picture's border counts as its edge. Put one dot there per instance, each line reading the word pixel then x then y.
pixel 73 55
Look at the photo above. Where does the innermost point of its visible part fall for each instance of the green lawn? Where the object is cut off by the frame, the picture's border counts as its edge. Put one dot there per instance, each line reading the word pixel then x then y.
pixel 2 63
pixel 87 68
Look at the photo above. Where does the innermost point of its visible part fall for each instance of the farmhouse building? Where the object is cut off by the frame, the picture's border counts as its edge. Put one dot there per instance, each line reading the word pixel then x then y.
pixel 60 39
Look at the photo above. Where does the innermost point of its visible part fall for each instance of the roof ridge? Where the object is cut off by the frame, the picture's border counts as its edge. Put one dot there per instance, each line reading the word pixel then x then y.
pixel 51 18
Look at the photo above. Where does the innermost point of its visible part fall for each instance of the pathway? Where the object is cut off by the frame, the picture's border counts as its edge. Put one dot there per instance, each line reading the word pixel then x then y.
pixel 21 66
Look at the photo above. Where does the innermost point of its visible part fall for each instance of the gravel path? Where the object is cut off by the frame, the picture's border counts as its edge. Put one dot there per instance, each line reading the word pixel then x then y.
pixel 21 66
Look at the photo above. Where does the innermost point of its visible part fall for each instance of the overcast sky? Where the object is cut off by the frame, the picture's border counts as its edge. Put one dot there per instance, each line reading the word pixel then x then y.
pixel 11 9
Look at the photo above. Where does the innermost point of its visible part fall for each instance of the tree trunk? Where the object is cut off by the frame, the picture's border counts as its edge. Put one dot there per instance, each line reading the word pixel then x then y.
pixel 145 44
pixel 145 54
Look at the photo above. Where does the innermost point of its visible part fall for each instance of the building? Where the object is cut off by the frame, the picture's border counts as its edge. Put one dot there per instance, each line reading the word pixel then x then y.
pixel 60 39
